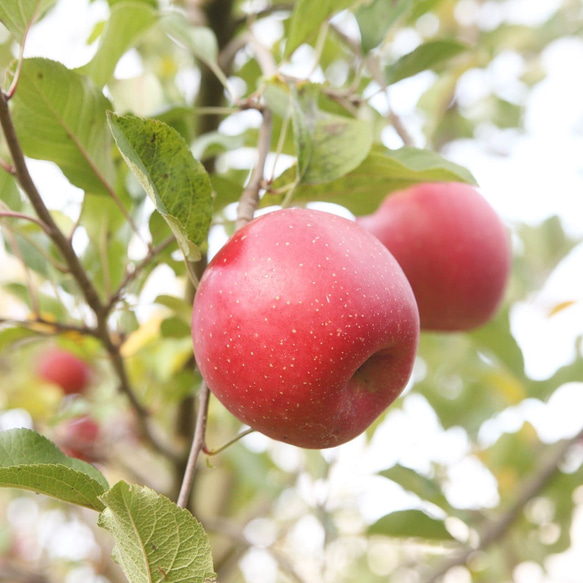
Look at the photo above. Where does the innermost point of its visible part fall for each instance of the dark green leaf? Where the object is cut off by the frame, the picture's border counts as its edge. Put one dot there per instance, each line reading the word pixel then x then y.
pixel 177 183
pixel 327 146
pixel 59 116
pixel 382 172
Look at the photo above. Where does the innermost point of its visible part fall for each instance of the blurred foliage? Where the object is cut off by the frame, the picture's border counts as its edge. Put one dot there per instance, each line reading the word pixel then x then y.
pixel 333 140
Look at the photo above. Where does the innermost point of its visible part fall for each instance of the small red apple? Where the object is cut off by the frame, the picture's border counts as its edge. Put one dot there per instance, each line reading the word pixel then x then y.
pixel 80 437
pixel 305 327
pixel 65 370
pixel 452 247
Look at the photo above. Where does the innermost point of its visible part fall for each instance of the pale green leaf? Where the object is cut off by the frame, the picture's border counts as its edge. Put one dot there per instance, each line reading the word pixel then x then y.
pixel 376 18
pixel 127 22
pixel 425 56
pixel 411 524
pixel 9 194
pixel 382 172
pixel 60 116
pixel 11 335
pixel 19 15
pixel 327 146
pixel 32 462
pixel 177 183
pixel 198 39
pixel 155 539
pixel 307 18
pixel 424 487
pixel 179 306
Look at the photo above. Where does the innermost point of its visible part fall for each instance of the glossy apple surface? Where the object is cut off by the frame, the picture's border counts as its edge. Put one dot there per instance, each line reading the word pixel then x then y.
pixel 452 247
pixel 305 327
pixel 65 370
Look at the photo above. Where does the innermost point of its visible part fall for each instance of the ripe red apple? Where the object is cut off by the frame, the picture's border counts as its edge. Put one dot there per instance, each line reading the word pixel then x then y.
pixel 65 370
pixel 80 437
pixel 305 327
pixel 453 249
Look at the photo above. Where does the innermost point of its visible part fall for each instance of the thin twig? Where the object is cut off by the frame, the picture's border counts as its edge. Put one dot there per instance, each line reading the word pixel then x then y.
pixel 372 63
pixel 496 530
pixel 196 447
pixel 132 275
pixel 250 197
pixel 44 326
pixel 34 220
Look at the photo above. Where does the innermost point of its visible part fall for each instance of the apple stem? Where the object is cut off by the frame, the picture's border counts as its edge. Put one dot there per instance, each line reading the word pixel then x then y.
pixel 196 447
pixel 223 447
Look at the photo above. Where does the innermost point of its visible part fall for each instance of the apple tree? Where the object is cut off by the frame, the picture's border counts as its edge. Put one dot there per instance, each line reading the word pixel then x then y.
pixel 134 165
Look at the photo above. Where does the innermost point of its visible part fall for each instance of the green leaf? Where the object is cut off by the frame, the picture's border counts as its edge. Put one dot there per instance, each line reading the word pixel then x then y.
pixel 177 183
pixel 11 335
pixel 19 15
pixel 198 39
pixel 127 22
pixel 382 172
pixel 32 462
pixel 496 338
pixel 411 524
pixel 307 18
pixel 175 327
pixel 327 146
pixel 155 539
pixel 59 116
pixel 425 56
pixel 180 307
pixel 9 194
pixel 426 488
pixel 376 18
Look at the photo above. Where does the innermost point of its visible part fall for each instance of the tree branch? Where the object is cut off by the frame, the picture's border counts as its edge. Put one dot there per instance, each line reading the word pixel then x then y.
pixel 76 269
pixel 250 197
pixel 196 446
pixel 498 528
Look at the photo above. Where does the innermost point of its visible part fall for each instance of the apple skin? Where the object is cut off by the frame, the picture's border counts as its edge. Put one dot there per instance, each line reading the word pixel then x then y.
pixel 305 327
pixel 65 370
pixel 452 247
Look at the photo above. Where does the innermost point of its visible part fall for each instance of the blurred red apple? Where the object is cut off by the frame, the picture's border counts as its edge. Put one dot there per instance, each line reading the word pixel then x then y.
pixel 79 437
pixel 452 247
pixel 305 327
pixel 62 368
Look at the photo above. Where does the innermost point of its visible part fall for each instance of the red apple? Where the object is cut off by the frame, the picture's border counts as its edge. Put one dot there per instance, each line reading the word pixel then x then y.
pixel 305 327
pixel 453 249
pixel 65 370
pixel 79 437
